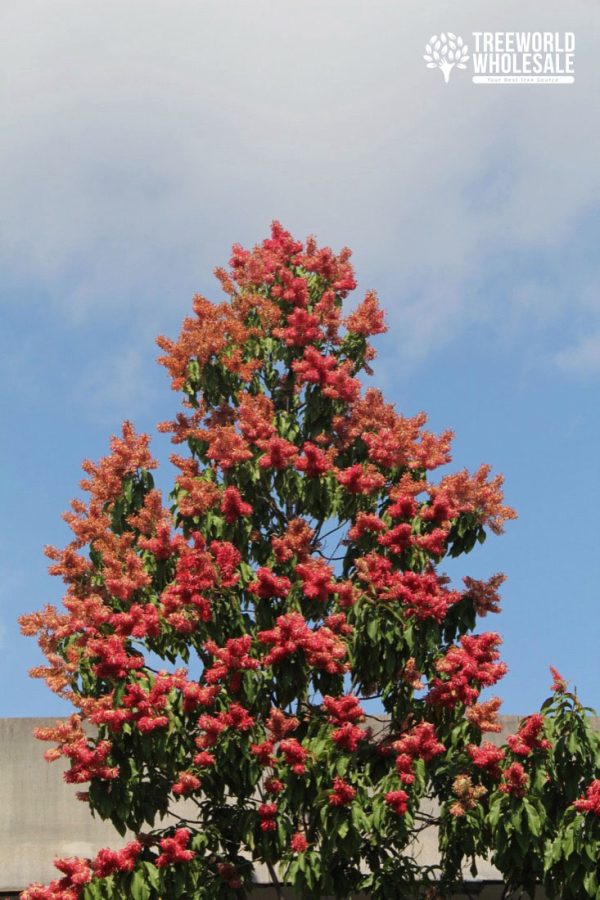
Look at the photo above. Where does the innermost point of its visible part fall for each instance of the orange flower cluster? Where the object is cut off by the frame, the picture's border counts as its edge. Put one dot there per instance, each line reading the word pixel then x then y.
pixel 468 795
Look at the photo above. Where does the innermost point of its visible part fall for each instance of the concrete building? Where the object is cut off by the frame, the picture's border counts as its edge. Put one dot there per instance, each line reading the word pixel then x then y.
pixel 40 817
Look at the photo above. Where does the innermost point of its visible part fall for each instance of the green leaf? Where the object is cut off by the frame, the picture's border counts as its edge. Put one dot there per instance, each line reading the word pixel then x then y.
pixel 373 629
pixel 343 828
pixel 140 890
pixel 533 818
pixel 152 874
pixel 568 843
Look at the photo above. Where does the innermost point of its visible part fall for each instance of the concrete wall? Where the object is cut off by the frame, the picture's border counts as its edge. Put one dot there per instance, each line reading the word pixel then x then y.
pixel 40 818
pixel 39 815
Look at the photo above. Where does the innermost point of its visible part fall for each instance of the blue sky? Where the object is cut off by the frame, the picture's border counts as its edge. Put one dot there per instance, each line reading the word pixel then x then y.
pixel 141 140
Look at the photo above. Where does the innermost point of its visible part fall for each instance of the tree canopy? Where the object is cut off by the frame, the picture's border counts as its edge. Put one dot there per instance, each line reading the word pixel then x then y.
pixel 219 649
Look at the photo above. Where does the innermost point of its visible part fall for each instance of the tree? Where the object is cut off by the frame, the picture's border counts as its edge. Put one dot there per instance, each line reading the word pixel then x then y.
pixel 292 578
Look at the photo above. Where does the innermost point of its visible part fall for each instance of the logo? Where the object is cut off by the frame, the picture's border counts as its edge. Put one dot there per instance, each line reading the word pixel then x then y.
pixel 524 57
pixel 445 52
pixel 506 57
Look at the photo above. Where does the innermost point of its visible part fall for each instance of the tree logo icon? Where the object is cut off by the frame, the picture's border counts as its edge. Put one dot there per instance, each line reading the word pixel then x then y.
pixel 445 52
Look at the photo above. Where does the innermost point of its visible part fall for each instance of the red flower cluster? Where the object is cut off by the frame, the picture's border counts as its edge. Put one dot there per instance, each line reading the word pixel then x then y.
pixel 138 622
pixel 367 319
pixel 230 661
pixel 322 648
pixel 187 783
pixel 528 737
pixel 233 507
pixel 487 757
pixel 348 737
pixel 591 802
pixel 423 594
pixel 127 455
pixel 475 494
pixel 295 755
pixel 332 376
pixel 196 494
pixel 269 585
pixel 145 701
pixel 174 849
pixel 226 448
pixel 359 479
pixel 343 709
pixel 397 539
pixel 302 329
pixel 227 872
pixel 295 542
pixel 485 715
pixel 468 668
pixel 88 762
pixel 559 685
pixel 397 801
pixel 235 717
pixel 267 813
pixel 184 602
pixel 419 743
pixel 204 758
pixel 484 594
pixel 264 753
pixel 317 580
pixel 315 461
pixel 277 453
pixel 113 661
pixel 279 724
pixel 108 862
pixel 342 793
pixel 365 523
pixel 298 843
pixel 515 781
pixel 274 785
pixel 79 872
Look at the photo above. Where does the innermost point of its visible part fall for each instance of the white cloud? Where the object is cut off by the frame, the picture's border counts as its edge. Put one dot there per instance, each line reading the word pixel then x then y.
pixel 141 140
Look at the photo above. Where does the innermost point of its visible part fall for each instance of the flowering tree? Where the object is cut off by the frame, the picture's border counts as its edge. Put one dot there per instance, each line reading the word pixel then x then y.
pixel 221 648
